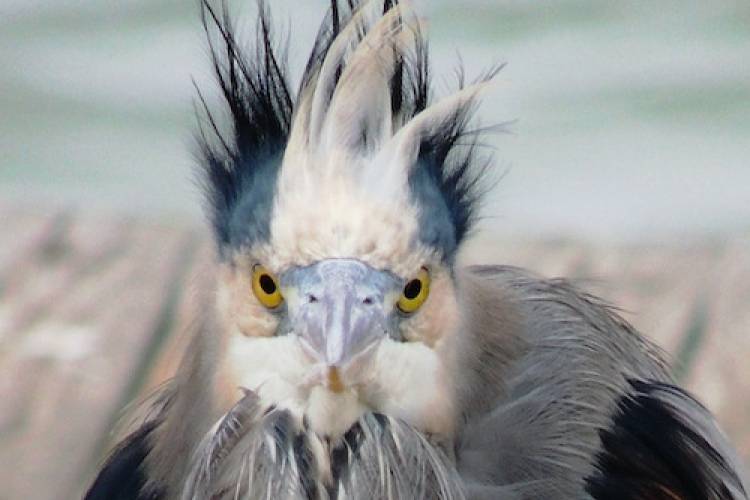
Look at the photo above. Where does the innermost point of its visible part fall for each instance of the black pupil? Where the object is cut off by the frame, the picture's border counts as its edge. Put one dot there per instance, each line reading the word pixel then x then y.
pixel 267 284
pixel 412 289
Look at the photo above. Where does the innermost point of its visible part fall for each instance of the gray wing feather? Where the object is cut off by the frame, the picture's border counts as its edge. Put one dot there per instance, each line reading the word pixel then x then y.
pixel 567 360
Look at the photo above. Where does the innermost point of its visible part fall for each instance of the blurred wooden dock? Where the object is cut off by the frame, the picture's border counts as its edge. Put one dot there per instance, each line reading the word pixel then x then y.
pixel 93 312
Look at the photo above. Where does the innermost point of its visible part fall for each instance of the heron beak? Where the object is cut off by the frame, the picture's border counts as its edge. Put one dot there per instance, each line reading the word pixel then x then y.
pixel 340 315
pixel 334 380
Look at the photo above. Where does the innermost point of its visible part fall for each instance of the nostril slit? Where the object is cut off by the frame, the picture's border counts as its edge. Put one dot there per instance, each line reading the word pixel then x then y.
pixel 311 298
pixel 368 301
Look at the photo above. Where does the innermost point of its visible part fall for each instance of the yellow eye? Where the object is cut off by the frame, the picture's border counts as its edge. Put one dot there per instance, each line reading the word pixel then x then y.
pixel 265 287
pixel 415 292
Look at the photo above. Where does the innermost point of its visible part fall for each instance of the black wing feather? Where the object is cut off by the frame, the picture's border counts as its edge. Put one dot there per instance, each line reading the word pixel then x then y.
pixel 658 449
pixel 123 477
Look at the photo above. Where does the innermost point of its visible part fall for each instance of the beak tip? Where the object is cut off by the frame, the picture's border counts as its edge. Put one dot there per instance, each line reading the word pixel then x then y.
pixel 334 380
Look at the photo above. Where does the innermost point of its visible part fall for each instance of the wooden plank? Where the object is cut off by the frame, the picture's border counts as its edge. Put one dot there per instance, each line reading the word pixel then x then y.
pixel 25 237
pixel 656 288
pixel 39 281
pixel 721 374
pixel 94 314
pixel 21 233
pixel 549 258
pixel 70 252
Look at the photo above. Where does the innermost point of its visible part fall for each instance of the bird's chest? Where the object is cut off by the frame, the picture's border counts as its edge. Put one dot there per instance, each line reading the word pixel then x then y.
pixel 404 381
pixel 260 453
pixel 296 430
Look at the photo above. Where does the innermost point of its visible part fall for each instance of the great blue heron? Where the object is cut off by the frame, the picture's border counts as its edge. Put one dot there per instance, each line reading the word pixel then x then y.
pixel 348 355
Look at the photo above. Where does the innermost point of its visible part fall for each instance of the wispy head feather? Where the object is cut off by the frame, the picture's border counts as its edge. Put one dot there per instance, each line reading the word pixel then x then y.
pixel 237 165
pixel 361 132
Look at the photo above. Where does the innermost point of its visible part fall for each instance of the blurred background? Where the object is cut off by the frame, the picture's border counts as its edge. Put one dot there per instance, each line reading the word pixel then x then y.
pixel 627 166
pixel 632 120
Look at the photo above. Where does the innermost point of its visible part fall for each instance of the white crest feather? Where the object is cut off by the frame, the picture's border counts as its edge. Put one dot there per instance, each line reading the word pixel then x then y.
pixel 343 189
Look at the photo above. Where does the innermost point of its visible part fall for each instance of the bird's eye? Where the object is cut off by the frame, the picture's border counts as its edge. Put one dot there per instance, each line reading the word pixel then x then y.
pixel 415 292
pixel 265 287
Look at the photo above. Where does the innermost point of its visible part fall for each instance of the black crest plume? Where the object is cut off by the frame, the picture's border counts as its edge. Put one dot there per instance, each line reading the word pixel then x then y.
pixel 255 89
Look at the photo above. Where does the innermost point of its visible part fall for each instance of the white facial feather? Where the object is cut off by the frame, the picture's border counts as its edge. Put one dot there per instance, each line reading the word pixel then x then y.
pixel 275 368
pixel 410 384
pixel 406 381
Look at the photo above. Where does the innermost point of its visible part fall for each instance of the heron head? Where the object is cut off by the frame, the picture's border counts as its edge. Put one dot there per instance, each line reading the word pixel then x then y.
pixel 338 216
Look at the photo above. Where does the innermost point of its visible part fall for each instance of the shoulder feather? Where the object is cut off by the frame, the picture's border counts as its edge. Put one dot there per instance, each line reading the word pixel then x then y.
pixel 663 444
pixel 123 476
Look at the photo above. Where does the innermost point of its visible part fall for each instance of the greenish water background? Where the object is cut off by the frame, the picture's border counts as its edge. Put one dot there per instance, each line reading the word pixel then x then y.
pixel 633 117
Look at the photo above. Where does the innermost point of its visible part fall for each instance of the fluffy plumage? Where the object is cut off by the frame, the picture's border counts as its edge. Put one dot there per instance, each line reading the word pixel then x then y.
pixel 575 367
pixel 377 458
pixel 502 385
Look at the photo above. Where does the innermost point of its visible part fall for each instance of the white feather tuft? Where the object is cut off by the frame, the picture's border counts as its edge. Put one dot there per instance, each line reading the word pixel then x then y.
pixel 343 189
